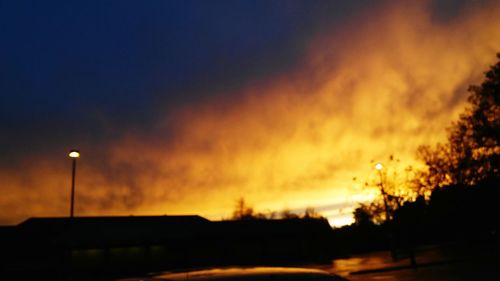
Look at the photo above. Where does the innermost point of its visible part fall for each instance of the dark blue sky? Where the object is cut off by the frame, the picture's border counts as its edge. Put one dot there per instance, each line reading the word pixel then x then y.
pixel 92 69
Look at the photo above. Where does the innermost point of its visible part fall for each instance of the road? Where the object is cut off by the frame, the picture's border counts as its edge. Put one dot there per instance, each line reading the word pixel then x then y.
pixel 434 264
pixel 460 271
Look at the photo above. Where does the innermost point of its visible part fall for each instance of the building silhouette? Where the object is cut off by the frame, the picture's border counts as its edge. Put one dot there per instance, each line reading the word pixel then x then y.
pixel 137 244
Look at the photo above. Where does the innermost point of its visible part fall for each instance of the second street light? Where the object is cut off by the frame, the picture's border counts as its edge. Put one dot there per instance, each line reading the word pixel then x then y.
pixel 74 154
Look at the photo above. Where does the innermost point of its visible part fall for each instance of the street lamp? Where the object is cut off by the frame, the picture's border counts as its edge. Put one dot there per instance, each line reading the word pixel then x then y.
pixel 74 154
pixel 379 168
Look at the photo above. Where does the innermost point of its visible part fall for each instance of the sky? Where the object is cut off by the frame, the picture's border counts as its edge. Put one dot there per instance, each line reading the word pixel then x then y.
pixel 183 107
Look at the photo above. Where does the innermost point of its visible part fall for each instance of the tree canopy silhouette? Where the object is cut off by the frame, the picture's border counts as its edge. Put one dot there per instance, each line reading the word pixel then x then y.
pixel 472 151
pixel 469 157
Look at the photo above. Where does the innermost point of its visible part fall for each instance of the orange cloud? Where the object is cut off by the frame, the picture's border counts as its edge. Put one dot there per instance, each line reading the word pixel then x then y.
pixel 383 83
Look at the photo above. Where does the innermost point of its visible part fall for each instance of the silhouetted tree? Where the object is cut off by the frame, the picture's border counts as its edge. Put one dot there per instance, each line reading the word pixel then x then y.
pixel 472 152
pixel 363 216
pixel 287 214
pixel 310 213
pixel 242 211
pixel 438 168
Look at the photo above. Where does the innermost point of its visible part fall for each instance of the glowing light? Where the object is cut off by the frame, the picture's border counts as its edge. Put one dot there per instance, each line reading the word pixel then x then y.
pixel 74 153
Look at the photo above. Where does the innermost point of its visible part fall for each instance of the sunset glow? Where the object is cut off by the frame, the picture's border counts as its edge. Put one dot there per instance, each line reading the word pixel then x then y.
pixel 380 83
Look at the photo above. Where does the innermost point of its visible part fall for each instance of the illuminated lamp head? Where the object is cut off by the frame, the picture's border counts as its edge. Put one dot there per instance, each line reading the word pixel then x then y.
pixel 74 153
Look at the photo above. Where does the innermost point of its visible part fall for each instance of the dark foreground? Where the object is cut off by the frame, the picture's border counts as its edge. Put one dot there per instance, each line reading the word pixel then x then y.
pixel 460 271
pixel 109 248
pixel 452 262
pixel 434 263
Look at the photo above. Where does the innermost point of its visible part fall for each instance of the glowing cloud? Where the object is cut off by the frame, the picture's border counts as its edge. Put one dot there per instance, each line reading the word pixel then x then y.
pixel 383 83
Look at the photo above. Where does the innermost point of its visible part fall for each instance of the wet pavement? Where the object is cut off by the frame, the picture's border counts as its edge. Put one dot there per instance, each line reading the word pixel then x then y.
pixel 434 263
pixel 458 271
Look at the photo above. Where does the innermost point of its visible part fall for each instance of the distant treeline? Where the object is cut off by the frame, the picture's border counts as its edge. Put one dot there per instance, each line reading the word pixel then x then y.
pixel 243 211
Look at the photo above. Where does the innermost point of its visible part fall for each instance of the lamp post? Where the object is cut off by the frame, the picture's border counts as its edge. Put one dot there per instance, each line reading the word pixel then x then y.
pixel 74 154
pixel 379 168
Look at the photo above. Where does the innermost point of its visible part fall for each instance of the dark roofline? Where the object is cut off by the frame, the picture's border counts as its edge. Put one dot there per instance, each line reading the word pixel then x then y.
pixel 111 218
